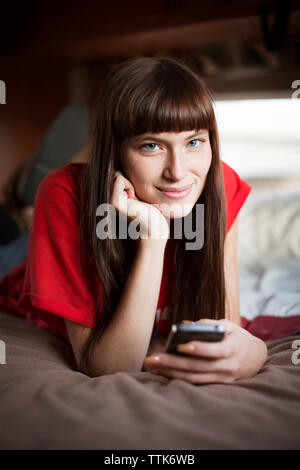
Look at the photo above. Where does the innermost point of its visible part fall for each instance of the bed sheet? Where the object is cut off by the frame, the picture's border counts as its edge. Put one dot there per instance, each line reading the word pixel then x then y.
pixel 270 297
pixel 46 404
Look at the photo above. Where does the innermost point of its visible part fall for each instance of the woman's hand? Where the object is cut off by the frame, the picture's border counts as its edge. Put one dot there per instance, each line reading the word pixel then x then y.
pixel 238 355
pixel 152 222
pixel 157 344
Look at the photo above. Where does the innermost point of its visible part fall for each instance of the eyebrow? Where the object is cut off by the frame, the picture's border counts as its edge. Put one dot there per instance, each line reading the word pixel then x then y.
pixel 158 139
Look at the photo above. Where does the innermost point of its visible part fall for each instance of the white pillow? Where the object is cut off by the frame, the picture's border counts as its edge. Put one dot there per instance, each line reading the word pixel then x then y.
pixel 269 227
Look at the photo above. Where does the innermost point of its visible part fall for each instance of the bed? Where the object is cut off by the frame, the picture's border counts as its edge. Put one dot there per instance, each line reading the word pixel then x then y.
pixel 47 404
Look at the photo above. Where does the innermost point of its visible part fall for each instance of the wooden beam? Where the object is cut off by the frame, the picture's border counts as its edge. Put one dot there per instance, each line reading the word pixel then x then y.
pixel 254 83
pixel 101 47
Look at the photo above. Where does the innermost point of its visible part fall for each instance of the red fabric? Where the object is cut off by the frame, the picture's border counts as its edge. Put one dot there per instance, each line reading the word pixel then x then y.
pixel 267 327
pixel 49 286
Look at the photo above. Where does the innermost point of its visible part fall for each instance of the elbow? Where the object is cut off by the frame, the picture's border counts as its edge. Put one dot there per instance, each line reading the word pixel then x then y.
pixel 93 368
pixel 87 369
pixel 92 372
pixel 96 372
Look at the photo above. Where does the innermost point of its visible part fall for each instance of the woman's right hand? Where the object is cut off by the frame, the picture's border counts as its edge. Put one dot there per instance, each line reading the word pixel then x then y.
pixel 153 224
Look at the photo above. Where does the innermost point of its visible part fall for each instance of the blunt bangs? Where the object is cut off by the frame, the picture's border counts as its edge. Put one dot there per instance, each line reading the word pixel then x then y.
pixel 165 98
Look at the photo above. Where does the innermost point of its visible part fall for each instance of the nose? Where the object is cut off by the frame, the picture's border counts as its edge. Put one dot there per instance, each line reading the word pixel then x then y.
pixel 175 168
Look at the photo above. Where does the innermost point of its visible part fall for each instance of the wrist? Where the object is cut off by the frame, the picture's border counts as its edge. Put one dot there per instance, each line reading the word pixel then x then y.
pixel 263 350
pixel 151 244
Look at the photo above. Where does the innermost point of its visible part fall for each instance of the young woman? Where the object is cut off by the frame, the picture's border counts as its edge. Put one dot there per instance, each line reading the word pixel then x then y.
pixel 154 156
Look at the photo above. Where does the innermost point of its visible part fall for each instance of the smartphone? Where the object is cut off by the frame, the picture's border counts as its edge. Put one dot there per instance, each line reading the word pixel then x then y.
pixel 183 333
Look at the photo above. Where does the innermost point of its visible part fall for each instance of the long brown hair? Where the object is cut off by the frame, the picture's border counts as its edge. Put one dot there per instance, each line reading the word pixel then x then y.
pixel 152 94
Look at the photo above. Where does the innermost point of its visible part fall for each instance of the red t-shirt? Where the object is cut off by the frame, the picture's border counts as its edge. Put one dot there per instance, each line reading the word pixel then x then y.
pixel 49 286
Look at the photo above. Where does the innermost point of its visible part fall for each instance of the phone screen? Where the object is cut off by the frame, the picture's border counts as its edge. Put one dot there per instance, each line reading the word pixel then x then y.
pixel 183 333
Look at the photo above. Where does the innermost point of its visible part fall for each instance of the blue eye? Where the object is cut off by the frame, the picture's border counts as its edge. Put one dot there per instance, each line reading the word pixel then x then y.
pixel 195 140
pixel 151 145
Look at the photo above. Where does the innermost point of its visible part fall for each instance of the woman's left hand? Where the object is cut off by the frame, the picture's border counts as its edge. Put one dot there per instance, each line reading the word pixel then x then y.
pixel 238 355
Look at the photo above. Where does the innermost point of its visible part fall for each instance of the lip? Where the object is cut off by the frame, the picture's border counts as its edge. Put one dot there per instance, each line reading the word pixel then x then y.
pixel 176 193
pixel 170 190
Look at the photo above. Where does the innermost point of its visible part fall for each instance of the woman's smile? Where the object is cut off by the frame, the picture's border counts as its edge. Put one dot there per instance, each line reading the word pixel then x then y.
pixel 179 160
pixel 175 193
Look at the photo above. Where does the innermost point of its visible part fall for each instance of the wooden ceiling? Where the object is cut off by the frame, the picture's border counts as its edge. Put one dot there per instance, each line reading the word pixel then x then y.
pixel 242 47
pixel 52 52
pixel 93 31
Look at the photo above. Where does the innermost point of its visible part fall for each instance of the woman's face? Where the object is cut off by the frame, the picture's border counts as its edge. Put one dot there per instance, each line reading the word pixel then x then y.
pixel 160 164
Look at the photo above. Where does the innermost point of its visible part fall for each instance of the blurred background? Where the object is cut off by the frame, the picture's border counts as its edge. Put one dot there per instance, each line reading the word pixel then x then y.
pixel 54 54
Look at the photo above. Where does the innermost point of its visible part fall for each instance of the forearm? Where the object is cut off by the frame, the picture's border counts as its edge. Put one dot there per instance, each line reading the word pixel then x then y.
pixel 262 351
pixel 157 344
pixel 232 310
pixel 125 341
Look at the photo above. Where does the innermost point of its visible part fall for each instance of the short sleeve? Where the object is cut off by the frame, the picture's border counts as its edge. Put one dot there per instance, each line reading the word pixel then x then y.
pixel 236 193
pixel 54 282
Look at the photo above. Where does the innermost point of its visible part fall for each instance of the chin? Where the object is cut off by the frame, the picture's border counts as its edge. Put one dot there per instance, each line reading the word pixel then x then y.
pixel 175 211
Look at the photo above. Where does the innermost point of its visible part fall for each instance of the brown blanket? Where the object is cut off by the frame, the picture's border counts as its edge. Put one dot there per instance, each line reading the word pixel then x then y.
pixel 45 404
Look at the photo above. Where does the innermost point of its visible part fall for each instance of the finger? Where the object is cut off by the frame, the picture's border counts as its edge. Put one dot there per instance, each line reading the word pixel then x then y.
pixel 122 183
pixel 134 196
pixel 191 364
pixel 212 350
pixel 128 189
pixel 193 378
pixel 121 191
pixel 229 326
pixel 131 194
pixel 210 320
pixel 117 173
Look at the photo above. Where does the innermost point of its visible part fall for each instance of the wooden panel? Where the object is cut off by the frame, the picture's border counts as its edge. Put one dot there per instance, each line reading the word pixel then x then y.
pixel 35 93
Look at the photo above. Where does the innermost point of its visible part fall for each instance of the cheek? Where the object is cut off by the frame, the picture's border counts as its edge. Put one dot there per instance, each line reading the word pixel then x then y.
pixel 132 169
pixel 202 169
pixel 142 179
pixel 131 166
pixel 144 173
pixel 139 176
pixel 204 164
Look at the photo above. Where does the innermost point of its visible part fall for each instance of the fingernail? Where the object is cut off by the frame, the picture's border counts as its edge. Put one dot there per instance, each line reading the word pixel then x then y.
pixel 156 358
pixel 152 359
